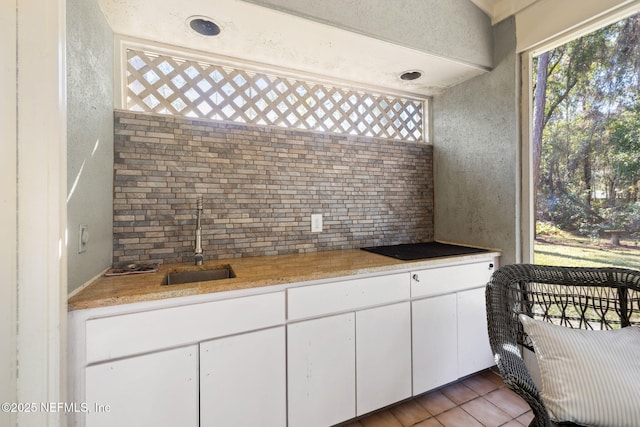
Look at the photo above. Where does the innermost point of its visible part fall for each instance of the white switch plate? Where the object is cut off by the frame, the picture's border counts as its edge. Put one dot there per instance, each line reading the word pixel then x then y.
pixel 316 223
pixel 83 238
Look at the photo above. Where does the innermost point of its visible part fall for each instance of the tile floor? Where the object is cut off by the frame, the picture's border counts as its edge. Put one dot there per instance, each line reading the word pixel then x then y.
pixel 477 401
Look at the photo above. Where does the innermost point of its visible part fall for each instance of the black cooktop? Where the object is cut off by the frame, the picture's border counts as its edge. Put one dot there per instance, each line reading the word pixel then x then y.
pixel 415 251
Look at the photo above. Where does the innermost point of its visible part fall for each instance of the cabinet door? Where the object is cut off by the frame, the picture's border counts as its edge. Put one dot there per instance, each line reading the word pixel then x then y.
pixel 158 389
pixel 474 352
pixel 243 380
pixel 321 371
pixel 383 356
pixel 434 331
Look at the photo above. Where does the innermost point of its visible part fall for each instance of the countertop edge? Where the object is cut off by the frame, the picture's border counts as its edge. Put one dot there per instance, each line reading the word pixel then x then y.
pixel 142 289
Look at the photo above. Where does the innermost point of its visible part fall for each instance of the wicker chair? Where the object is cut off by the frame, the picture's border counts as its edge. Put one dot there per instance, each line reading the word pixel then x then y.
pixel 588 298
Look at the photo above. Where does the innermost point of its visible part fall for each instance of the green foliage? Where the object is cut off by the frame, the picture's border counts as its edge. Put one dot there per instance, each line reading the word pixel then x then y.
pixel 589 176
pixel 624 148
pixel 568 215
pixel 545 228
pixel 623 217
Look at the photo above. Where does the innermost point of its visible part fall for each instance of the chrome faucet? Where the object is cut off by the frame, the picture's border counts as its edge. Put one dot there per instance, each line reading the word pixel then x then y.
pixel 199 253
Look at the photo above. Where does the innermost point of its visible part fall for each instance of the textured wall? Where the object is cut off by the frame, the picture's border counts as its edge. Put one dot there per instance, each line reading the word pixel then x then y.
pixel 475 137
pixel 455 29
pixel 89 139
pixel 260 186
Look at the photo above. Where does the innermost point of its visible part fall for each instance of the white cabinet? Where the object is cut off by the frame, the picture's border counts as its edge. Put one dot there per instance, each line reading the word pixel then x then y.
pixel 202 363
pixel 383 356
pixel 321 371
pixel 474 351
pixel 243 380
pixel 150 390
pixel 434 342
pixel 332 352
pixel 450 338
pixel 343 365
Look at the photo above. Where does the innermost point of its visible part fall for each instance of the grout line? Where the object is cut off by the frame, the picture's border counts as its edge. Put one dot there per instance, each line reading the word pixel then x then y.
pixel 436 417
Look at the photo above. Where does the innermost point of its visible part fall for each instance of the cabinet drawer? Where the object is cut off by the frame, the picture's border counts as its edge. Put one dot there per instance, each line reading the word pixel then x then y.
pixel 316 300
pixel 119 336
pixel 443 280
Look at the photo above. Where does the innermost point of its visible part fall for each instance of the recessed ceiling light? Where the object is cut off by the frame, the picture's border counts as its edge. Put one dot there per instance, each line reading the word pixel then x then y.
pixel 411 75
pixel 203 25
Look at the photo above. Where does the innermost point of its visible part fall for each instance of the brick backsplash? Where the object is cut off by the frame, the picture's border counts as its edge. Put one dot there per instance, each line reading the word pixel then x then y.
pixel 260 186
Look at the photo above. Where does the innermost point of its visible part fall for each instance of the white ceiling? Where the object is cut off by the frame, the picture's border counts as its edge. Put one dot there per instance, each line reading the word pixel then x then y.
pixel 267 36
pixel 497 10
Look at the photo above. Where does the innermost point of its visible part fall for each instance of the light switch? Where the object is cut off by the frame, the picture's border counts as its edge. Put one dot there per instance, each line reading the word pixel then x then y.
pixel 83 238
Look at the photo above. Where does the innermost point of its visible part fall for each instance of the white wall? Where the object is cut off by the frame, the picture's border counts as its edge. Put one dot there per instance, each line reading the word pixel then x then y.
pixel 90 139
pixel 8 208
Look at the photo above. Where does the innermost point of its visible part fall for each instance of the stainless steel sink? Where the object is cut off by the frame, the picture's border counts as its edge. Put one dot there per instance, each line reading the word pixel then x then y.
pixel 182 277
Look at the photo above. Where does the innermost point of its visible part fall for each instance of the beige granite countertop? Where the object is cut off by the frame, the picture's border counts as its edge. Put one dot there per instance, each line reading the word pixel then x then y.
pixel 252 272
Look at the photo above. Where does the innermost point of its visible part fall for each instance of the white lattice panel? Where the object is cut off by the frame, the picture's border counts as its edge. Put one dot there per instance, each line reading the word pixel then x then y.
pixel 166 85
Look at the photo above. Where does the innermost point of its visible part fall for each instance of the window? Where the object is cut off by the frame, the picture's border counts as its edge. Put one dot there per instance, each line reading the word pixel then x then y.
pixel 168 85
pixel 597 85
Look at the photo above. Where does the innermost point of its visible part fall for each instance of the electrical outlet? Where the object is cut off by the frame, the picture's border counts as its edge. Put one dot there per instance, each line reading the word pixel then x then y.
pixel 316 223
pixel 83 238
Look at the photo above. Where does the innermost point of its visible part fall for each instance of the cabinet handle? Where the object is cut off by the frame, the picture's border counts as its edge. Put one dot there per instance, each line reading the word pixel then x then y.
pixel 416 278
